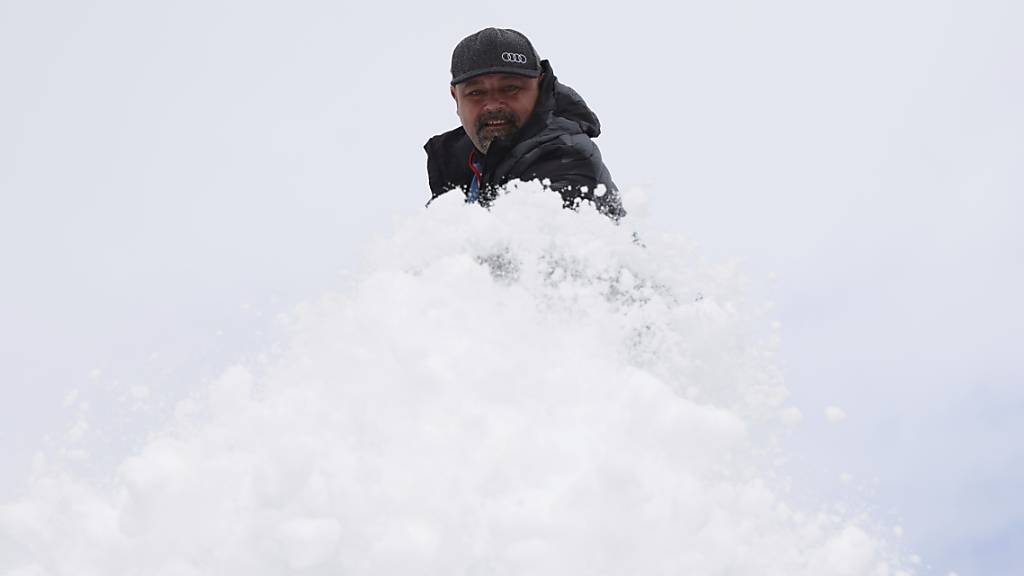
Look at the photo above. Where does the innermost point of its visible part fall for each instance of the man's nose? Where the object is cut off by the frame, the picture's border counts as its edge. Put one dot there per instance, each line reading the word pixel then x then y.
pixel 494 105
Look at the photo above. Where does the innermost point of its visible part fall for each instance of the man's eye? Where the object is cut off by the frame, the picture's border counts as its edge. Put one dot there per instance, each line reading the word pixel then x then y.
pixel 474 93
pixel 511 89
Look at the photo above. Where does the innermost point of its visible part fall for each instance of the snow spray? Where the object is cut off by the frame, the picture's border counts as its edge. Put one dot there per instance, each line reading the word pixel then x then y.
pixel 524 390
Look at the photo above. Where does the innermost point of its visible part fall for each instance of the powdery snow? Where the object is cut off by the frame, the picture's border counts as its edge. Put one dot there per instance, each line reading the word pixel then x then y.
pixel 525 390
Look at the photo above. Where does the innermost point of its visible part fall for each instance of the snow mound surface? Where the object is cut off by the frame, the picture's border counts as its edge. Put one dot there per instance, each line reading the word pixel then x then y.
pixel 520 391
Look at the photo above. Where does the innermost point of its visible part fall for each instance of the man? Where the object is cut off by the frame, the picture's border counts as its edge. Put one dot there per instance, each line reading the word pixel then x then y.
pixel 518 122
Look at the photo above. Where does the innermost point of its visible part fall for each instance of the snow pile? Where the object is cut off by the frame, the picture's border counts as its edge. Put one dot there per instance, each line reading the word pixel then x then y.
pixel 525 390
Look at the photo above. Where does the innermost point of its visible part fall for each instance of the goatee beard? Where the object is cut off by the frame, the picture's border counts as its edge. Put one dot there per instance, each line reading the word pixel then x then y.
pixel 487 134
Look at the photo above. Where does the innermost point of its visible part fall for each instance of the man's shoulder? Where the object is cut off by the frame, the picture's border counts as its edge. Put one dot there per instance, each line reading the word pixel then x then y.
pixel 563 146
pixel 446 141
pixel 565 155
pixel 446 157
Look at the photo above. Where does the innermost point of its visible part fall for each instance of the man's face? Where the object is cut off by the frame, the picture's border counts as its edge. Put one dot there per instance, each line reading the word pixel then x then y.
pixel 494 105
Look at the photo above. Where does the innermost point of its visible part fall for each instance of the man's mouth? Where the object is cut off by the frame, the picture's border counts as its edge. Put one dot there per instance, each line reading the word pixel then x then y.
pixel 499 121
pixel 501 125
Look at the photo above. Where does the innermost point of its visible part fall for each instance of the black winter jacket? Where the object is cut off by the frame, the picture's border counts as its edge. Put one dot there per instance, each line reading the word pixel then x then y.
pixel 554 144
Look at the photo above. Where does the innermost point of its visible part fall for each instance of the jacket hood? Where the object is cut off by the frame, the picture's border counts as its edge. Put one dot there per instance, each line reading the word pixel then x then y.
pixel 560 100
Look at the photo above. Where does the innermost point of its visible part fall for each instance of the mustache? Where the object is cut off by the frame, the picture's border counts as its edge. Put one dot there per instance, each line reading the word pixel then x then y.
pixel 496 116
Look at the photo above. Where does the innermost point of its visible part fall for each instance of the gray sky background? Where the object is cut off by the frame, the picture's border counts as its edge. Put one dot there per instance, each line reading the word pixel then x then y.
pixel 174 174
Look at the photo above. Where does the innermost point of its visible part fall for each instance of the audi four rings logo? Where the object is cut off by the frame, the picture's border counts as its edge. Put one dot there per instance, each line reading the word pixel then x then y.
pixel 513 57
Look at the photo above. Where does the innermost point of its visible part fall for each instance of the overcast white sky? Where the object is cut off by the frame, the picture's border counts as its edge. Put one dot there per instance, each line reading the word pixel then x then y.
pixel 171 175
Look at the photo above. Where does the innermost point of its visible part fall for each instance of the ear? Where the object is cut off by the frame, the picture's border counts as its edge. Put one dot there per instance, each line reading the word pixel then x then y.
pixel 453 95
